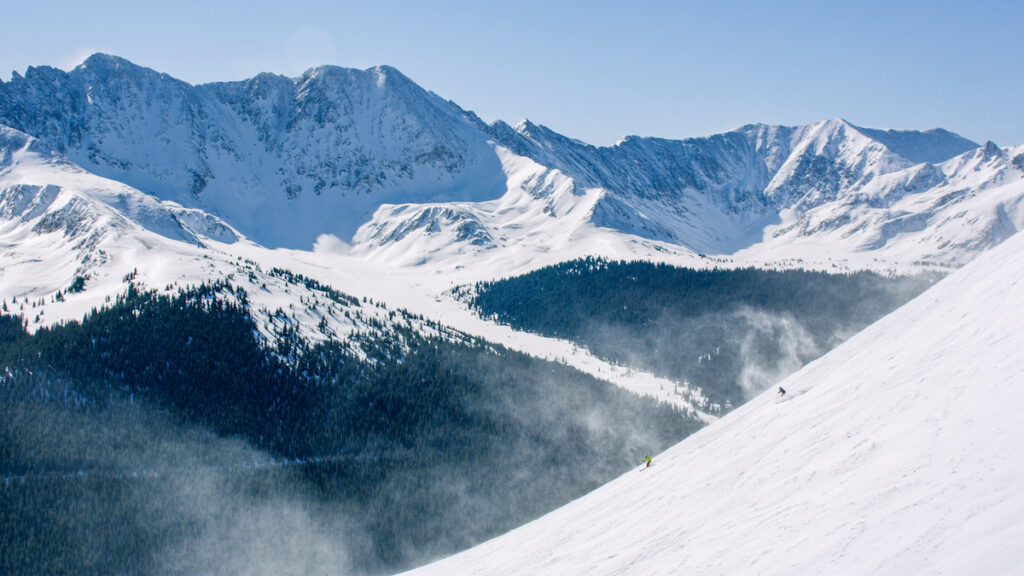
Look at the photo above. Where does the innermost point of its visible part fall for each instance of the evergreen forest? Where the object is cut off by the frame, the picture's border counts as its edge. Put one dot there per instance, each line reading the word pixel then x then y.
pixel 163 435
pixel 730 332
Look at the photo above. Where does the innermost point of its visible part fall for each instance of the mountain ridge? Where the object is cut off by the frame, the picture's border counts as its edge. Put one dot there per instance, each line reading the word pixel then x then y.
pixel 202 147
pixel 400 174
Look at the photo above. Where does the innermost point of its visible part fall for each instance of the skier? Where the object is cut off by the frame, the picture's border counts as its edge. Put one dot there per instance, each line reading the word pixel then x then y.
pixel 782 391
pixel 648 460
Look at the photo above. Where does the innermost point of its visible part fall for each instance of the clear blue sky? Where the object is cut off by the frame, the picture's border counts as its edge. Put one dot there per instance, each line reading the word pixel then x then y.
pixel 592 70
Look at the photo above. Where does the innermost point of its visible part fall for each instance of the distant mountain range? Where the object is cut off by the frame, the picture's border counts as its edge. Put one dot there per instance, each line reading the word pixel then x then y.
pixel 406 177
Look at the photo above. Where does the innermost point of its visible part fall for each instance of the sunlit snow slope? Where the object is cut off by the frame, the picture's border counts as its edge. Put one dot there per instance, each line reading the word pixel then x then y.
pixel 897 453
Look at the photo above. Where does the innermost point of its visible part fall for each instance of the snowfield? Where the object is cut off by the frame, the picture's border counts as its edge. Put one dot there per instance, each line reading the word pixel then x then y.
pixel 896 453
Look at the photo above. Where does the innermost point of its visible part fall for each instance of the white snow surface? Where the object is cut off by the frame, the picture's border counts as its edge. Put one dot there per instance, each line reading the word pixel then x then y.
pixel 896 453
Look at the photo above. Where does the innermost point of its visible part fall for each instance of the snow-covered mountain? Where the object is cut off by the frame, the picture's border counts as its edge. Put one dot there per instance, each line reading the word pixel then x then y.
pixel 282 159
pixel 406 177
pixel 734 191
pixel 814 194
pixel 896 453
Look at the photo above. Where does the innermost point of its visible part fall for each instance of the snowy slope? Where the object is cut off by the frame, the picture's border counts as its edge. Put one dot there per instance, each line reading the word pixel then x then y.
pixel 58 221
pixel 896 453
pixel 542 217
pixel 940 215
